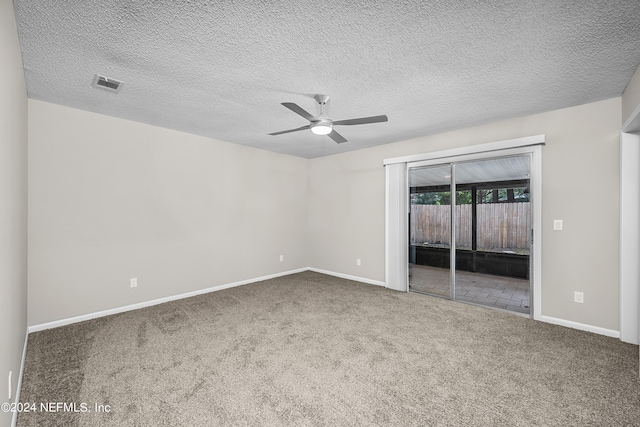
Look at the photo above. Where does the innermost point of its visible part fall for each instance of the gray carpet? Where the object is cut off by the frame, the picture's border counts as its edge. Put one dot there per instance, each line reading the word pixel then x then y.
pixel 314 350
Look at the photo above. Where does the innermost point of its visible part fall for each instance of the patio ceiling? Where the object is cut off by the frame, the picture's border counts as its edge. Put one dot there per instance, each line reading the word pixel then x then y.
pixel 501 169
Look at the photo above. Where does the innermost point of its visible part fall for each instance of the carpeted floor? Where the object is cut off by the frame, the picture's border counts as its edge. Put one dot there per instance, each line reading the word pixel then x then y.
pixel 314 350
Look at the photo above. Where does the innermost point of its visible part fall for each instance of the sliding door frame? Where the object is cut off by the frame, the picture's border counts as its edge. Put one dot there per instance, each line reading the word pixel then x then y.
pixel 396 253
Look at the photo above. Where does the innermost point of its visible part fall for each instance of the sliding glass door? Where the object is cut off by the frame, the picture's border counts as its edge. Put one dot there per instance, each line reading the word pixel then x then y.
pixel 430 230
pixel 470 231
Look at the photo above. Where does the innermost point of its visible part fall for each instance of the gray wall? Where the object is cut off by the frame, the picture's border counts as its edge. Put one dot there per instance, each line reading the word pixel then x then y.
pixel 631 96
pixel 580 164
pixel 13 204
pixel 111 199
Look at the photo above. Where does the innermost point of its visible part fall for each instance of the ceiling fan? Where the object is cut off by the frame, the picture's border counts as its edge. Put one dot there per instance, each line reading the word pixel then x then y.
pixel 323 125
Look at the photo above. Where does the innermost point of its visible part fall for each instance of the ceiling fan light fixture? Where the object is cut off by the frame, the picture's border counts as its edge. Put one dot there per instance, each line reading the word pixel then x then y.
pixel 322 128
pixel 323 125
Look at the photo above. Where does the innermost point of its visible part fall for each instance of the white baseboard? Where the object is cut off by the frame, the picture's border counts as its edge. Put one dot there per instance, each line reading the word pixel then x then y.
pixel 14 419
pixel 95 315
pixel 581 326
pixel 349 277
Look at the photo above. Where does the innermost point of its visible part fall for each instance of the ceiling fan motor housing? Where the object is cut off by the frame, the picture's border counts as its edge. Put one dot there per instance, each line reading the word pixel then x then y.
pixel 322 99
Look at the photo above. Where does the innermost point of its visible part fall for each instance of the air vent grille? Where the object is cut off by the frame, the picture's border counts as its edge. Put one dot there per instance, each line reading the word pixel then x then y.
pixel 106 83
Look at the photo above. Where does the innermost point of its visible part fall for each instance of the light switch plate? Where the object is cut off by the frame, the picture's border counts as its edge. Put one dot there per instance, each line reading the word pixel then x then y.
pixel 557 224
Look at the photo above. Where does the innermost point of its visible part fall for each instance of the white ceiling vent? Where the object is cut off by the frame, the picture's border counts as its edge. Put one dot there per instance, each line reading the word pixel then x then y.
pixel 107 83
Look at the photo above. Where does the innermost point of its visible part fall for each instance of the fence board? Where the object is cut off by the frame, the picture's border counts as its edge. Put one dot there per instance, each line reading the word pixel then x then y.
pixel 500 225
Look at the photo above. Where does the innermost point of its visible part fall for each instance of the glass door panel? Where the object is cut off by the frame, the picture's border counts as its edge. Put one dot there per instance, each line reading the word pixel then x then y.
pixel 493 227
pixel 430 230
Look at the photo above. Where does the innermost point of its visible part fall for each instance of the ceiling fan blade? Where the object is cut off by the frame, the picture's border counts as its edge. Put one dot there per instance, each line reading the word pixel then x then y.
pixel 361 120
pixel 337 137
pixel 290 130
pixel 298 110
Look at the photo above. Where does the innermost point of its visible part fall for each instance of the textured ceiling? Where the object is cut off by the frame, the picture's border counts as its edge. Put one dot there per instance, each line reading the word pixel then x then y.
pixel 222 68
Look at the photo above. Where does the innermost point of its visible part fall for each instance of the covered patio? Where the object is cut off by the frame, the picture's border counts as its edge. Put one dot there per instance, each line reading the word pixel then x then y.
pixel 501 292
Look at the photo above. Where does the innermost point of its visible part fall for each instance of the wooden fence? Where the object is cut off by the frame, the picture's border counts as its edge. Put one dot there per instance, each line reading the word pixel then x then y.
pixel 500 225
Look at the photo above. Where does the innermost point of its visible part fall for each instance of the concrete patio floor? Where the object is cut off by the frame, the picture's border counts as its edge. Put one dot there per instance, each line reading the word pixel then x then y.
pixel 494 291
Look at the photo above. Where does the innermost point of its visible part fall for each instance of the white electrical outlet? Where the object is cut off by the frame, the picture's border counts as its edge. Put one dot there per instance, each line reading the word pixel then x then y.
pixel 133 282
pixel 281 258
pixel 557 224
pixel 578 297
pixel 358 261
pixel 10 385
